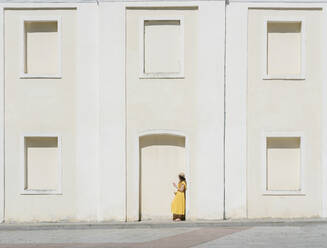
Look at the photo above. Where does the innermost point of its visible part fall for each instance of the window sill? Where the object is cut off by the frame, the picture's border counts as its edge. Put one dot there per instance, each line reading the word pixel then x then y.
pixel 41 192
pixel 284 193
pixel 162 76
pixel 283 77
pixel 32 76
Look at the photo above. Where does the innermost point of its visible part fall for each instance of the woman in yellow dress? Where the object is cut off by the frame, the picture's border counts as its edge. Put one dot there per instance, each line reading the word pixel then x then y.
pixel 178 204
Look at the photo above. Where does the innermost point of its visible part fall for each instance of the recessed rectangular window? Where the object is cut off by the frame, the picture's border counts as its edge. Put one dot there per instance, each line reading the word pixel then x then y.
pixel 42 163
pixel 162 51
pixel 284 49
pixel 283 161
pixel 41 52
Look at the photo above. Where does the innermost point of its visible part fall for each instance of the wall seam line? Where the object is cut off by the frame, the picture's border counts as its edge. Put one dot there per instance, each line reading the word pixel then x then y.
pixel 224 134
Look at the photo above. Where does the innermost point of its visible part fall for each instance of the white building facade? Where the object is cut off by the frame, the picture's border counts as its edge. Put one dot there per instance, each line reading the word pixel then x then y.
pixel 103 103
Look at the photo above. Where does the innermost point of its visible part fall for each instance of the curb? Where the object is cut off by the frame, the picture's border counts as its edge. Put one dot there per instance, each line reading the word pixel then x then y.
pixel 145 224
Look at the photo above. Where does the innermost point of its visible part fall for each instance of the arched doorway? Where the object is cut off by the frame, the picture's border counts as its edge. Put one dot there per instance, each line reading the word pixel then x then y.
pixel 161 158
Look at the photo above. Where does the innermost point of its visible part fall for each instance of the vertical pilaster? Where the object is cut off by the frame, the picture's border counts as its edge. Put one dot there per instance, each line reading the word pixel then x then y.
pixel 87 114
pixel 236 110
pixel 2 119
pixel 324 119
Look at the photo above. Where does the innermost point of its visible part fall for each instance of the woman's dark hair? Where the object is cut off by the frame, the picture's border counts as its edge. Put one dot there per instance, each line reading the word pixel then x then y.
pixel 181 178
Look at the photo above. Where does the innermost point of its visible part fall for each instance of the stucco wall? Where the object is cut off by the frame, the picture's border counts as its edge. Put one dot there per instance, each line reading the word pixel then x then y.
pixel 169 105
pixel 222 106
pixel 284 107
pixel 39 107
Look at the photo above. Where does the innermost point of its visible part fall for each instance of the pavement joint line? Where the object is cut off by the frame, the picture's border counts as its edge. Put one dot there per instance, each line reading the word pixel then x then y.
pixel 187 239
pixel 156 224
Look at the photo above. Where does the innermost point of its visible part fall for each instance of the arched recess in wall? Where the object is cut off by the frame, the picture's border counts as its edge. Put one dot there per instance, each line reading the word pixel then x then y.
pixel 162 155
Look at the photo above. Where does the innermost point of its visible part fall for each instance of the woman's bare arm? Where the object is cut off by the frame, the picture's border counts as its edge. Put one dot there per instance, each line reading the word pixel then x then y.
pixel 181 188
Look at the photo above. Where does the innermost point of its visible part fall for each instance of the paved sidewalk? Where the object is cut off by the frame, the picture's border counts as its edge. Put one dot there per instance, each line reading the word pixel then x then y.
pixel 244 234
pixel 159 224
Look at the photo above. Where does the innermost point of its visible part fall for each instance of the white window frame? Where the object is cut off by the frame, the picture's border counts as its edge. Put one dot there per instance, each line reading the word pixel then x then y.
pixel 23 53
pixel 142 73
pixel 301 191
pixel 302 75
pixel 25 191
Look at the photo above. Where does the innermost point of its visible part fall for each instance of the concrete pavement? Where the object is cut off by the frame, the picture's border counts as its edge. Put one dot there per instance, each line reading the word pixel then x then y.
pixel 229 234
pixel 159 224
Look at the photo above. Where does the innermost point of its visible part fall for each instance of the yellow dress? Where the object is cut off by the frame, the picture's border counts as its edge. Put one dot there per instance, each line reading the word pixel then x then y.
pixel 178 204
